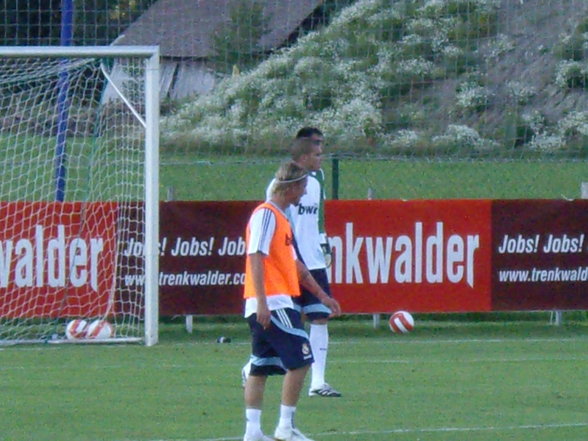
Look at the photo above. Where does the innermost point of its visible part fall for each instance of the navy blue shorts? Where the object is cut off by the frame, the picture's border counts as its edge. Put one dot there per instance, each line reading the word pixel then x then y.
pixel 308 304
pixel 283 346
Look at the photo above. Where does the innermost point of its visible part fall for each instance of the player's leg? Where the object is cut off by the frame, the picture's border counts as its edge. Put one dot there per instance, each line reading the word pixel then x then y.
pixel 318 315
pixel 319 342
pixel 290 341
pixel 264 362
pixel 254 390
pixel 293 382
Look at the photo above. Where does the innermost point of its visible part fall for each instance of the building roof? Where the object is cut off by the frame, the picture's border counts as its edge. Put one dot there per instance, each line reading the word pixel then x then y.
pixel 184 28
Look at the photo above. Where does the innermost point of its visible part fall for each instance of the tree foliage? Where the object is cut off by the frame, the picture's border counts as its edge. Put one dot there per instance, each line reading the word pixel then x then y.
pixel 236 42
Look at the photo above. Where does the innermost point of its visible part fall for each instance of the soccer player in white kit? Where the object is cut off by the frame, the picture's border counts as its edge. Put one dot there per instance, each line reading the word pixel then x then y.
pixel 307 218
pixel 308 222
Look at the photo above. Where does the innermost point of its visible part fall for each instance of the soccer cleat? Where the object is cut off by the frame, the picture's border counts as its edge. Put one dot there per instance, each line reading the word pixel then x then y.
pixel 290 434
pixel 258 437
pixel 324 391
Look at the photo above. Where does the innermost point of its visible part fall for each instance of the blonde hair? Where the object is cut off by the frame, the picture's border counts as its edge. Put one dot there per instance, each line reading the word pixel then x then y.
pixel 287 175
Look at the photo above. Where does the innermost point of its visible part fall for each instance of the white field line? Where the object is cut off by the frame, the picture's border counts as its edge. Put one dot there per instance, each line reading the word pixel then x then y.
pixel 339 340
pixel 541 358
pixel 335 340
pixel 524 427
pixel 462 361
pixel 401 341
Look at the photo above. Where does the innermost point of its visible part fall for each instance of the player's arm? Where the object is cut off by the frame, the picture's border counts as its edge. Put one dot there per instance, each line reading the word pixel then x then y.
pixel 326 249
pixel 308 282
pixel 262 226
pixel 257 273
pixel 324 240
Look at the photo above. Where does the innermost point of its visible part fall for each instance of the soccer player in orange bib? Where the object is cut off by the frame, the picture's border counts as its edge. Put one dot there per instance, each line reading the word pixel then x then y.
pixel 272 277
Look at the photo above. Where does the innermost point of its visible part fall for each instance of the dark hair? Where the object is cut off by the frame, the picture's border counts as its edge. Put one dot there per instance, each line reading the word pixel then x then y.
pixel 300 147
pixel 307 132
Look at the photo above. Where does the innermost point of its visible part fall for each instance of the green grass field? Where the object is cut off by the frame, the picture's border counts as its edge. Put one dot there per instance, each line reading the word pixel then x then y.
pixel 447 381
pixel 99 174
pixel 247 178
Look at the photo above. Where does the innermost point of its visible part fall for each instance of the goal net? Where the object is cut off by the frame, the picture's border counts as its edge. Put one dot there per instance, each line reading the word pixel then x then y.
pixel 78 194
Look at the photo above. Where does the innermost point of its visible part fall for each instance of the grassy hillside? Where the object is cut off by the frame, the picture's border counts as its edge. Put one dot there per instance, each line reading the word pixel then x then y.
pixel 472 78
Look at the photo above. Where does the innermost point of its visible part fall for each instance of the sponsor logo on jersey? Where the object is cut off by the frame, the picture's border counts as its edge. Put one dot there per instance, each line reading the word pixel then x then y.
pixel 307 209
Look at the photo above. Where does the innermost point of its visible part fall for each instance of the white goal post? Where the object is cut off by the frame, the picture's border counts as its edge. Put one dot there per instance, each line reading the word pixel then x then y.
pixel 79 194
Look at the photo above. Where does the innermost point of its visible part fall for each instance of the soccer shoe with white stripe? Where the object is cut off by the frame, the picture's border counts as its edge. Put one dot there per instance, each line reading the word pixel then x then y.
pixel 324 391
pixel 290 434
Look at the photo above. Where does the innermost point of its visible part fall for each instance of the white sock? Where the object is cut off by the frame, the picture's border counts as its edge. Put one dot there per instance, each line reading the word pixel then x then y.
pixel 319 343
pixel 286 416
pixel 253 422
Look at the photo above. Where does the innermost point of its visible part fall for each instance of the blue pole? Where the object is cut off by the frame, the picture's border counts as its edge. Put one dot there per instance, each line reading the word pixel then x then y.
pixel 62 103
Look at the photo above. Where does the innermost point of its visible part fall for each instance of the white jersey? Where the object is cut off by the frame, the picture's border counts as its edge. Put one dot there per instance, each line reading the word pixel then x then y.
pixel 307 219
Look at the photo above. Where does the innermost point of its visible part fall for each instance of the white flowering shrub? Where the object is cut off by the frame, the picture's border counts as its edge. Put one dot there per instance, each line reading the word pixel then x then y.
pixel 570 74
pixel 500 45
pixel 309 67
pixel 407 116
pixel 519 93
pixel 422 26
pixel 405 140
pixel 535 121
pixel 573 124
pixel 545 142
pixel 570 132
pixel 462 137
pixel 390 23
pixel 276 67
pixel 472 97
pixel 412 45
pixel 435 8
pixel 341 78
pixel 355 119
pixel 414 69
pixel 452 52
pixel 573 46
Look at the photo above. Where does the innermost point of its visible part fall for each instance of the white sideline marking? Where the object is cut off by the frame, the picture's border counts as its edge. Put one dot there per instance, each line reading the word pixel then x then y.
pixel 409 341
pixel 392 339
pixel 334 361
pixel 464 360
pixel 424 430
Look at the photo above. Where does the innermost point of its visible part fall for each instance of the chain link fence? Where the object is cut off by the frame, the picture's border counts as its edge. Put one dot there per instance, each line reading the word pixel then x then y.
pixel 417 98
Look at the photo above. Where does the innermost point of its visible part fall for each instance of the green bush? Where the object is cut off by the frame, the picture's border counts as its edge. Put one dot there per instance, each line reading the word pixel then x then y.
pixel 342 77
pixel 572 74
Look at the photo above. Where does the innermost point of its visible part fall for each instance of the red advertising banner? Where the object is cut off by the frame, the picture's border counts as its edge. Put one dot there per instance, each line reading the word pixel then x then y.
pixel 540 255
pixel 422 256
pixel 59 262
pixel 202 264
pixel 388 255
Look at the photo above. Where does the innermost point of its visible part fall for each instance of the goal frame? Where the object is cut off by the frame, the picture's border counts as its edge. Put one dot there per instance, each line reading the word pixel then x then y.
pixel 151 158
